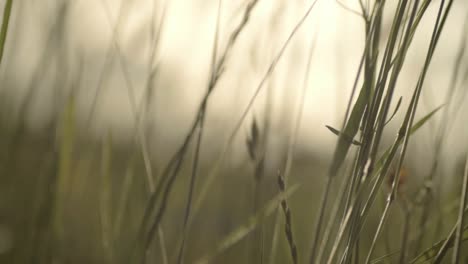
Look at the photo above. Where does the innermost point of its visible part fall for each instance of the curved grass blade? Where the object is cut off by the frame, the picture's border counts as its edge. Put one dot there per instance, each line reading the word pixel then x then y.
pixel 384 257
pixel 394 111
pixel 66 146
pixel 4 30
pixel 385 159
pixel 431 252
pixel 415 128
pixel 345 136
pixel 423 120
pixel 351 129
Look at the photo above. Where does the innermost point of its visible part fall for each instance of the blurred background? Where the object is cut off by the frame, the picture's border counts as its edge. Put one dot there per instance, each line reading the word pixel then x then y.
pixel 102 93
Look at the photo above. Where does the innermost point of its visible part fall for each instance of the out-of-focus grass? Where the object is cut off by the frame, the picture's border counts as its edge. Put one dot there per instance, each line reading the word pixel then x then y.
pixel 66 197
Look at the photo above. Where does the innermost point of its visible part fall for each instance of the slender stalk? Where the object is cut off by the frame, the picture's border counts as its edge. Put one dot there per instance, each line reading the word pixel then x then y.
pixel 340 200
pixel 288 230
pixel 410 117
pixel 407 210
pixel 180 258
pixel 442 131
pixel 377 232
pixel 461 216
pixel 4 30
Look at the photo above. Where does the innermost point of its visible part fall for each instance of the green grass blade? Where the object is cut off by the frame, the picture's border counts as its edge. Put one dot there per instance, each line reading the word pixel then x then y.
pixel 5 23
pixel 345 136
pixel 106 199
pixel 351 129
pixel 395 111
pixel 413 130
pixel 65 158
pixel 423 120
pixel 431 252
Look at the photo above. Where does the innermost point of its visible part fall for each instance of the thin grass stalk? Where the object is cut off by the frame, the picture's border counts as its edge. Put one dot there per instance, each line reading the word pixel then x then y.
pixel 180 258
pixel 377 232
pixel 384 72
pixel 321 216
pixel 377 116
pixel 175 159
pixel 368 88
pixel 153 65
pixel 343 226
pixel 407 212
pixel 369 72
pixel 42 213
pixel 14 38
pixel 142 114
pixel 105 201
pixel 269 71
pixel 327 187
pixel 274 240
pixel 402 135
pixel 339 153
pixel 258 247
pixel 288 229
pixel 352 190
pixel 392 82
pixel 340 200
pixel 193 177
pixel 364 7
pixel 351 10
pixel 136 109
pixel 401 10
pixel 457 68
pixel 260 167
pixel 66 145
pixel 293 139
pixel 31 91
pixel 382 167
pixel 108 60
pixel 461 216
pixel 5 23
pixel 384 257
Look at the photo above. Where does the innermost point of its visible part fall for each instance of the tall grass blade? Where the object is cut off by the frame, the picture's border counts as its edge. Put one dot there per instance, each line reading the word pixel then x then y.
pixel 65 159
pixel 4 30
pixel 431 253
pixel 105 211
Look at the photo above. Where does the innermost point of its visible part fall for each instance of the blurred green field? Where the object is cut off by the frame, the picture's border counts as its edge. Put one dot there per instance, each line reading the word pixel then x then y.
pixel 178 178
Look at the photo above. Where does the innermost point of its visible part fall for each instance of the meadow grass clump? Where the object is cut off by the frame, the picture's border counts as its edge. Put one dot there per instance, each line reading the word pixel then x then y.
pixel 78 199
